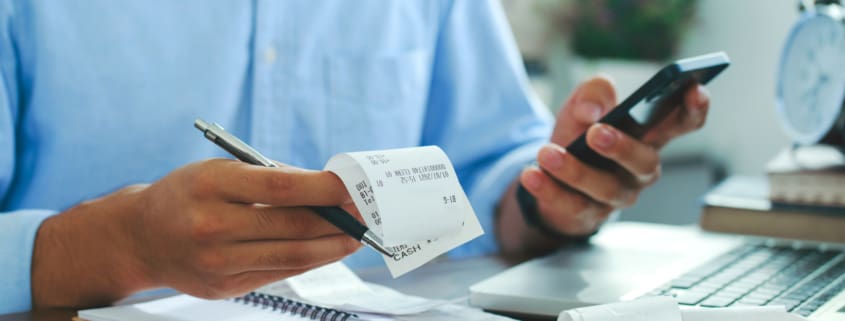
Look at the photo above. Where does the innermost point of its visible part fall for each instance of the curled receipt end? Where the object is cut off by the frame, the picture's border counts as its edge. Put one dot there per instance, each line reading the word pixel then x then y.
pixel 650 309
pixel 666 309
pixel 411 200
pixel 767 313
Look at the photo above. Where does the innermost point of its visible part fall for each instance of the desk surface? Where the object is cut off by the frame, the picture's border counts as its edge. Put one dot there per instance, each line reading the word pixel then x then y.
pixel 447 279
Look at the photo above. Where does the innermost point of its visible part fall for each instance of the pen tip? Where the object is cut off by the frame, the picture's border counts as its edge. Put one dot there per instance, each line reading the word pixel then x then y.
pixel 374 242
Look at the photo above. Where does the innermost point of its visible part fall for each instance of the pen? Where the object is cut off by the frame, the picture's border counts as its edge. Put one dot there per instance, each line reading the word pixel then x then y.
pixel 335 215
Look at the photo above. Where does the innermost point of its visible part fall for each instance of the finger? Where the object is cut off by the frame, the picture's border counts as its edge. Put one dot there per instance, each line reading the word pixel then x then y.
pixel 280 255
pixel 241 222
pixel 689 117
pixel 564 209
pixel 602 186
pixel 587 104
pixel 641 160
pixel 288 186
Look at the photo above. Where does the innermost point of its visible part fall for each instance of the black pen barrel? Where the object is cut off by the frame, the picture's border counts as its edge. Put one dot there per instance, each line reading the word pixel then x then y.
pixel 343 220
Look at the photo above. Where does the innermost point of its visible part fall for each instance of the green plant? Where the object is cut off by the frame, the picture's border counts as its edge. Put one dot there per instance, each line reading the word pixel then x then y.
pixel 627 29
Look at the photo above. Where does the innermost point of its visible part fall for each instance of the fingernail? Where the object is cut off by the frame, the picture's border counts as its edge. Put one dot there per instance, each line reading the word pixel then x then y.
pixel 590 111
pixel 702 96
pixel 551 158
pixel 606 137
pixel 532 180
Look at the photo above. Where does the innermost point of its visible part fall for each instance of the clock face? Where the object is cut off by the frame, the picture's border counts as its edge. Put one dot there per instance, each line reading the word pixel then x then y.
pixel 811 84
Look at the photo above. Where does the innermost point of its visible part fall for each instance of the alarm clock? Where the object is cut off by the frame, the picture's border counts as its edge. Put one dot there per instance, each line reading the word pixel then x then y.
pixel 811 77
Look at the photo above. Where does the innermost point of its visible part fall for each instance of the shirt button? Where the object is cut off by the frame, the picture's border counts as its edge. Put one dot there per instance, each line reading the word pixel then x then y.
pixel 270 55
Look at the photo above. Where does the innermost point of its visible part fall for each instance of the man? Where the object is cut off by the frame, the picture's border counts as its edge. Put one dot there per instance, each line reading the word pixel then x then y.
pixel 108 190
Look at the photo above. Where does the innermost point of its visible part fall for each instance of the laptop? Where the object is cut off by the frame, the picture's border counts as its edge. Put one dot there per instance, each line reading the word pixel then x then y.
pixel 630 260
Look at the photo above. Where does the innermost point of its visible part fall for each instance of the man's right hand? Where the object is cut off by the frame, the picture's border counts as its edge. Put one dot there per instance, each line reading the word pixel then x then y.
pixel 212 229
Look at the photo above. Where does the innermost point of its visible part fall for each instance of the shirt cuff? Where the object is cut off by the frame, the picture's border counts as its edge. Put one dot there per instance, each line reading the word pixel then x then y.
pixel 487 191
pixel 17 237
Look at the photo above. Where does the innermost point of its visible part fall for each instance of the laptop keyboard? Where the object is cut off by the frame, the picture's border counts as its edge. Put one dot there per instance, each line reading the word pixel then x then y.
pixel 802 280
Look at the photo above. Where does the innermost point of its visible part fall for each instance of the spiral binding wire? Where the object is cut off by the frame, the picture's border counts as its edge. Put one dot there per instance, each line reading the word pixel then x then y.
pixel 284 305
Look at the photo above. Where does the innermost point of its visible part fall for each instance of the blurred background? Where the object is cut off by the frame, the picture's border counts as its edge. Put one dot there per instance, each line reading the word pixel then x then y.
pixel 565 41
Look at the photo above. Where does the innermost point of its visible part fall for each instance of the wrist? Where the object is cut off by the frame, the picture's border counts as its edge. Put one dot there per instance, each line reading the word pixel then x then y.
pixel 515 236
pixel 85 256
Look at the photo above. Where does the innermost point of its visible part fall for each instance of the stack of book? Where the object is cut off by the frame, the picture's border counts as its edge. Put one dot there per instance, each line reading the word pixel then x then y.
pixel 802 197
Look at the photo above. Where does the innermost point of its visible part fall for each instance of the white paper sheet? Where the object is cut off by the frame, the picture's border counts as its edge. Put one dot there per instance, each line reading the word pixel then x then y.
pixel 385 300
pixel 412 199
pixel 452 312
pixel 666 309
pixel 329 285
pixel 336 286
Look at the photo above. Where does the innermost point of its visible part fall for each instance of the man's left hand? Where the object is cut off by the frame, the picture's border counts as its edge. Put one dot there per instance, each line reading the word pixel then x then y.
pixel 573 197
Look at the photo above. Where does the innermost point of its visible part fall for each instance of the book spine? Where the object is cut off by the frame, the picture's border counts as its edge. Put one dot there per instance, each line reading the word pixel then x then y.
pixel 785 225
pixel 810 190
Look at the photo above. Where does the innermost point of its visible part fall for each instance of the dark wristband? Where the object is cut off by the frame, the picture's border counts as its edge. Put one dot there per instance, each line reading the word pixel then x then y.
pixel 531 215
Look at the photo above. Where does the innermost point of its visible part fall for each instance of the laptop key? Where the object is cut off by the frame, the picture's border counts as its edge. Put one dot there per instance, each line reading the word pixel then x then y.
pixel 684 282
pixel 752 301
pixel 805 312
pixel 691 298
pixel 759 297
pixel 717 302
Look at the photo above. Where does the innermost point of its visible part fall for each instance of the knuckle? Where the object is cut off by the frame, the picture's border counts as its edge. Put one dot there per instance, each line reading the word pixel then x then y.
pixel 204 227
pixel 203 182
pixel 280 183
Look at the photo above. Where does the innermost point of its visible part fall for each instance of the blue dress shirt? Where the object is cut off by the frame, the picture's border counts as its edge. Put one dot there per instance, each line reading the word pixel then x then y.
pixel 99 94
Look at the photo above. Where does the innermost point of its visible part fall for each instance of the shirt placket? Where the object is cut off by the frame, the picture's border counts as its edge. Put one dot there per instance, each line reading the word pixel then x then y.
pixel 269 126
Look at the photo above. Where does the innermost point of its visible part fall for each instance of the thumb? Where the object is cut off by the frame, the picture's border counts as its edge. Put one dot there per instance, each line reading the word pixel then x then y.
pixel 587 104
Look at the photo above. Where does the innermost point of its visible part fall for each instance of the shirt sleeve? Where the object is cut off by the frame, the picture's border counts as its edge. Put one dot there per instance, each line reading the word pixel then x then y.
pixel 17 228
pixel 481 110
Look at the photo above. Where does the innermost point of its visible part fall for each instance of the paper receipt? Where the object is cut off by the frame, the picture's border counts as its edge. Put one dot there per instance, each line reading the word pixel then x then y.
pixel 412 199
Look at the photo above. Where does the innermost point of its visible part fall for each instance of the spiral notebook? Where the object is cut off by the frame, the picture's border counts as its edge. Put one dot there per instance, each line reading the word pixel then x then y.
pixel 251 307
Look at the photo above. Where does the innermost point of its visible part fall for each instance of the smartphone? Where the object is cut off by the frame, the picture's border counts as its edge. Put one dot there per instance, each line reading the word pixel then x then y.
pixel 646 107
